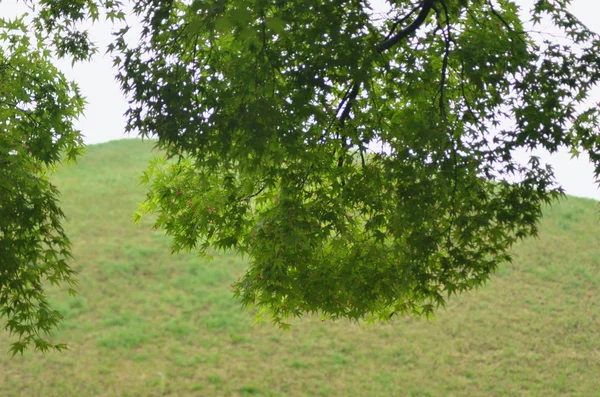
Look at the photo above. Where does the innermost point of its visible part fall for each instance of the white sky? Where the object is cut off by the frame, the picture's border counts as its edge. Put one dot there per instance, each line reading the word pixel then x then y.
pixel 104 121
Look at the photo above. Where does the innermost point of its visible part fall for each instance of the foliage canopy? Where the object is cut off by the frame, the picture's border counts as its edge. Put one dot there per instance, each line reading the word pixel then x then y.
pixel 364 166
pixel 363 162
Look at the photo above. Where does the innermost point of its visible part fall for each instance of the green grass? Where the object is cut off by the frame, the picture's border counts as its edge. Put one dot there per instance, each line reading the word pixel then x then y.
pixel 147 323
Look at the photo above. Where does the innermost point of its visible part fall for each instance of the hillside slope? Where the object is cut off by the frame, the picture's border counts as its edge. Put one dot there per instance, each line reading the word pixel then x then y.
pixel 147 323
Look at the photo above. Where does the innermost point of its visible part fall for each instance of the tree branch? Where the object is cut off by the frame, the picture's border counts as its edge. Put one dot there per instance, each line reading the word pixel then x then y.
pixel 392 41
pixel 337 111
pixel 345 116
pixel 500 17
pixel 399 21
pixel 386 44
pixel 447 39
pixel 351 98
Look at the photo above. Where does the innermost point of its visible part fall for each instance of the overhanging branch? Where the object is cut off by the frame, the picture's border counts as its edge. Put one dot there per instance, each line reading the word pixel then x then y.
pixel 352 92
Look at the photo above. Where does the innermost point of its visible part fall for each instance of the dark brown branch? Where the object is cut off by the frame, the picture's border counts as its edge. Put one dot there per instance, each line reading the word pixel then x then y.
pixel 337 111
pixel 399 21
pixel 259 191
pixel 385 45
pixel 351 95
pixel 351 98
pixel 392 41
pixel 504 22
pixel 500 17
pixel 345 116
pixel 447 39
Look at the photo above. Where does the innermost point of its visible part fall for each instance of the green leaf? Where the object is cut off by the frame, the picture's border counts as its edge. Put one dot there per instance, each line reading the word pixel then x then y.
pixel 276 25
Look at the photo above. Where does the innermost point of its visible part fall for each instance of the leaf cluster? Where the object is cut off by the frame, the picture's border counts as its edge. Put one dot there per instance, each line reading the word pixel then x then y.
pixel 37 109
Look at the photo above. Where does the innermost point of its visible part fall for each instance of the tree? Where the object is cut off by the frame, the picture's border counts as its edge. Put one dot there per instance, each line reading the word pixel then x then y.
pixel 364 165
pixel 37 109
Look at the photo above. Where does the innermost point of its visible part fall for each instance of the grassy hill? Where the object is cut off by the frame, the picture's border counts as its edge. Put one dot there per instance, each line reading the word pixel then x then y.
pixel 147 323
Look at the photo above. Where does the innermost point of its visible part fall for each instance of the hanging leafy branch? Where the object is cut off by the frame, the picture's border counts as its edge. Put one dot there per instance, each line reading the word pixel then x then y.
pixel 37 109
pixel 365 169
pixel 450 94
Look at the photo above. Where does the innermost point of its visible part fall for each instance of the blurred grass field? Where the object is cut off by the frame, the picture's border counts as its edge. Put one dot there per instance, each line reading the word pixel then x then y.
pixel 147 323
